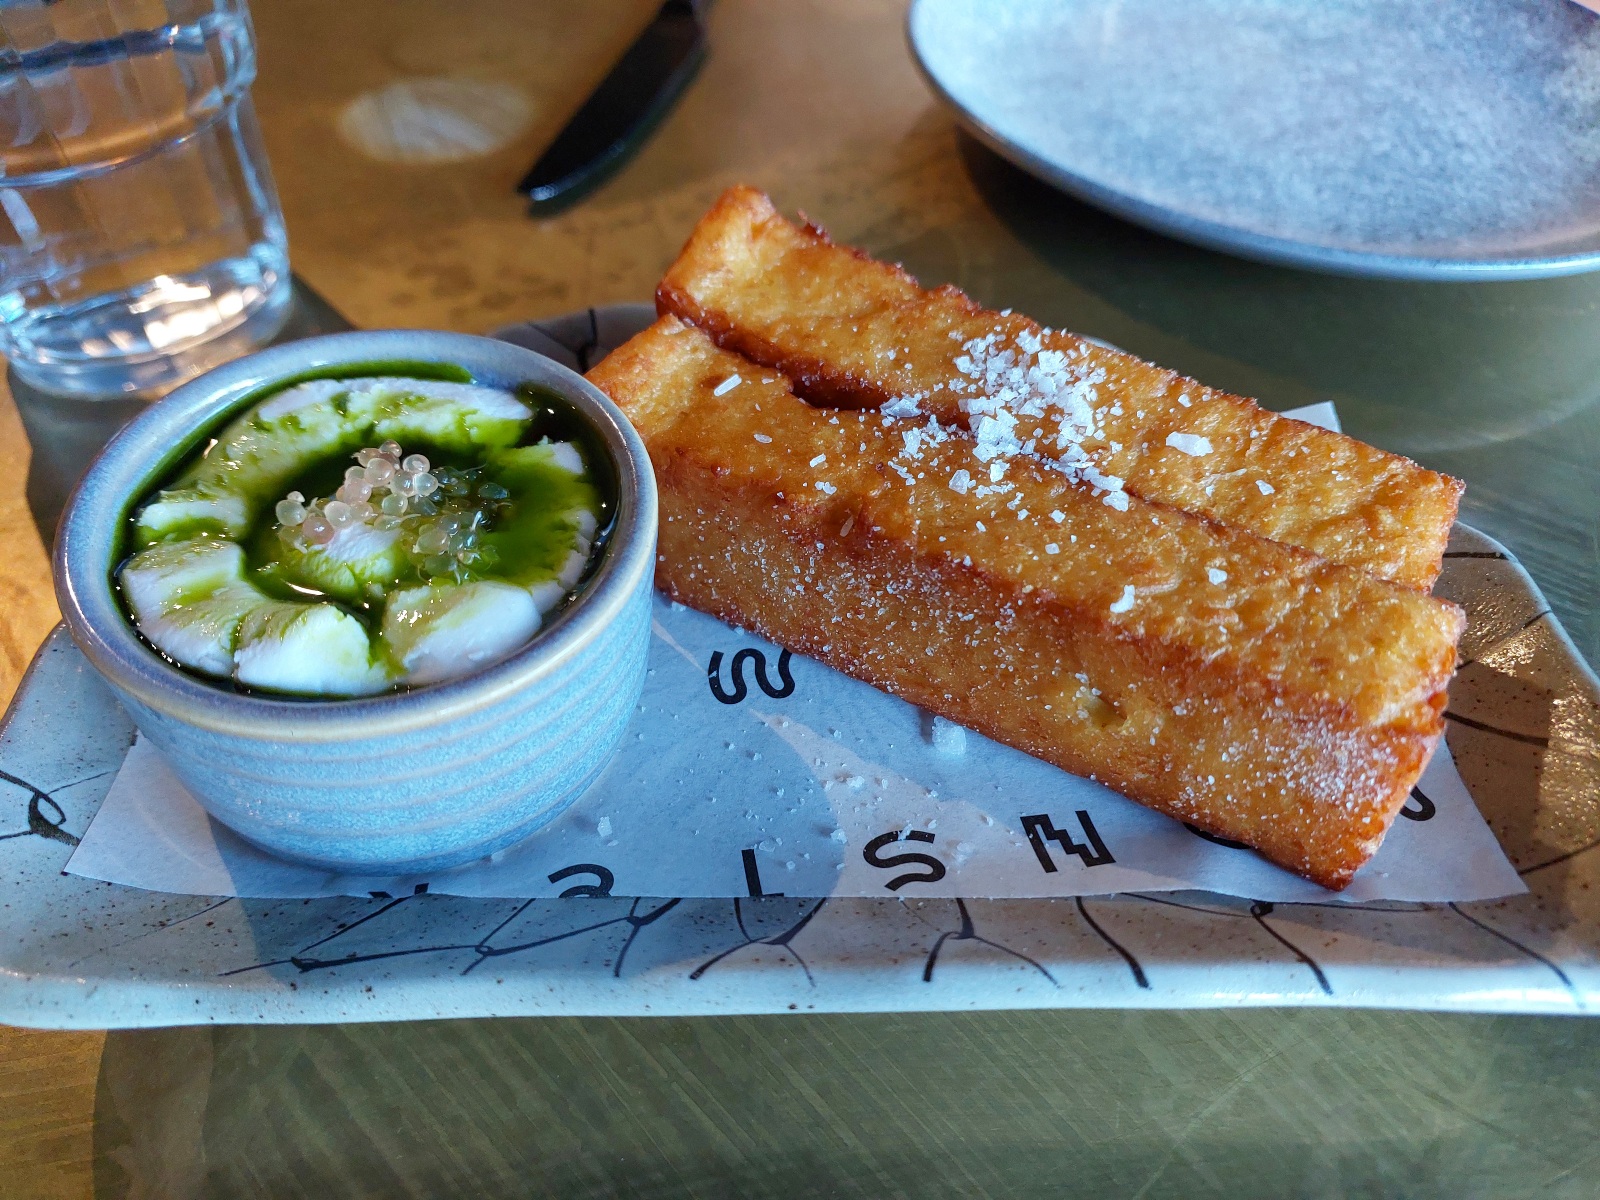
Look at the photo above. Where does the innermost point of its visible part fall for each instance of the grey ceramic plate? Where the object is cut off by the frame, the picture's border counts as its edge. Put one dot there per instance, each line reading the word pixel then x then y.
pixel 1524 730
pixel 1452 140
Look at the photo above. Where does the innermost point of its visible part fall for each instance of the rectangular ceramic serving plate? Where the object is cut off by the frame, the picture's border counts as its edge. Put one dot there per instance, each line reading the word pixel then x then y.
pixel 1524 730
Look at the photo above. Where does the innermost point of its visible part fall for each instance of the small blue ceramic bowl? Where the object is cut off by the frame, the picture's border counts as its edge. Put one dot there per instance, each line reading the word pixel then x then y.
pixel 405 782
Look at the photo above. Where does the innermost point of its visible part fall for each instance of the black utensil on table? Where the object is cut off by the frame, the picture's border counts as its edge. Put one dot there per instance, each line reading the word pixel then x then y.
pixel 620 113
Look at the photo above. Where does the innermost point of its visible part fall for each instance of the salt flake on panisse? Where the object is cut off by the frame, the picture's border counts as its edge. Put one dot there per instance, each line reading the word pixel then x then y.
pixel 1005 384
pixel 1191 444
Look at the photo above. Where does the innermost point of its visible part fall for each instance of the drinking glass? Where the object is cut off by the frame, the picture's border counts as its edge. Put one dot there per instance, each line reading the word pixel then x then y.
pixel 140 236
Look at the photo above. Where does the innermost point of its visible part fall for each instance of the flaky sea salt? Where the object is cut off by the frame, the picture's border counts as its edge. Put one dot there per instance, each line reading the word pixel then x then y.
pixel 726 386
pixel 1190 443
pixel 1051 548
pixel 762 438
pixel 1016 378
pixel 1216 575
pixel 1266 488
pixel 1126 603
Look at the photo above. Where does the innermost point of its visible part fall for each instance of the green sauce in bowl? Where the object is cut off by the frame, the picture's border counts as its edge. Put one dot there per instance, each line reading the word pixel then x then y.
pixel 350 534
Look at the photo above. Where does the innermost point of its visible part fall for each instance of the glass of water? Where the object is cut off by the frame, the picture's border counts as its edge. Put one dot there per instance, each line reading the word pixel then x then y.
pixel 140 237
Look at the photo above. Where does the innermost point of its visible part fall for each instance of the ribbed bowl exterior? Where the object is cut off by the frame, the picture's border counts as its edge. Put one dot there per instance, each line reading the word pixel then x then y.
pixel 426 800
pixel 402 783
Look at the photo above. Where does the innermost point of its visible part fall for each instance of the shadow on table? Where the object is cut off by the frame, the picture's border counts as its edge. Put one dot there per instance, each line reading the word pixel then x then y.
pixel 1234 1104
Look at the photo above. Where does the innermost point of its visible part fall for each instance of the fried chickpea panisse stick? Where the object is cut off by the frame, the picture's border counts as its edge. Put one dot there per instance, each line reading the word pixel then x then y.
pixel 855 333
pixel 1253 689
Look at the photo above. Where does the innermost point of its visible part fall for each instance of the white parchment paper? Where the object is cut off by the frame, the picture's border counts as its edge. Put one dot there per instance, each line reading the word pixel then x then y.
pixel 750 771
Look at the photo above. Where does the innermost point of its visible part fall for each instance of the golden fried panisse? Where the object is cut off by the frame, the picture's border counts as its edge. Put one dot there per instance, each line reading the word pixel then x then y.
pixel 1250 688
pixel 856 333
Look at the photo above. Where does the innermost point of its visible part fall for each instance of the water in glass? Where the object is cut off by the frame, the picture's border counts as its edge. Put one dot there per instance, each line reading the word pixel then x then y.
pixel 140 236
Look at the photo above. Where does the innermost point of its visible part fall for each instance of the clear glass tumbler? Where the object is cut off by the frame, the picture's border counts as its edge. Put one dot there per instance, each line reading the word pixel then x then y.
pixel 140 236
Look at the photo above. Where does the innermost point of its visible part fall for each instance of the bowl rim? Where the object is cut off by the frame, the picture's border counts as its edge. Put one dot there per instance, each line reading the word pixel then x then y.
pixel 86 541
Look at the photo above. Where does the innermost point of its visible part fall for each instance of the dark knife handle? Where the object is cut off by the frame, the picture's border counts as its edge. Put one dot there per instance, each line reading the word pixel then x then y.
pixel 621 112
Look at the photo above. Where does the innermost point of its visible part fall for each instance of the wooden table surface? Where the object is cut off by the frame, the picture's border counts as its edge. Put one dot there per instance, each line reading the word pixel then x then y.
pixel 817 101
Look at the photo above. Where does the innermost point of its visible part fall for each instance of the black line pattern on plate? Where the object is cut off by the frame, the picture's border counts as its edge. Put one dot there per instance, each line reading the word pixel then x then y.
pixel 1572 991
pixel 641 913
pixel 1199 908
pixel 968 932
pixel 633 918
pixel 1490 649
pixel 1394 906
pixel 1134 965
pixel 1530 739
pixel 159 927
pixel 40 823
pixel 1494 554
pixel 585 349
pixel 782 940
pixel 1260 910
pixel 303 961
pixel 1558 859
pixel 1381 906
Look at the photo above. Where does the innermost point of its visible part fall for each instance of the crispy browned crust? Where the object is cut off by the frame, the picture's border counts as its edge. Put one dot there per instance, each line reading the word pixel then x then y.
pixel 855 333
pixel 1290 707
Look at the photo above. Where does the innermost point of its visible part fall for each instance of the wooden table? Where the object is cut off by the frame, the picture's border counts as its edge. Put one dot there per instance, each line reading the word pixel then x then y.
pixel 818 102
